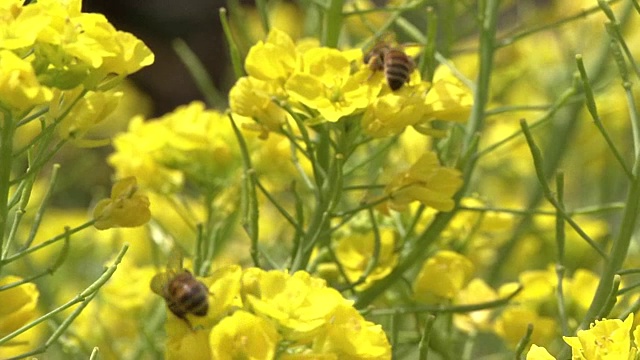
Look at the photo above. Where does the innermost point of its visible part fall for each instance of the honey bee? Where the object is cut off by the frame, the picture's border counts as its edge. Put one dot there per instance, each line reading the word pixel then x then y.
pixel 395 63
pixel 183 293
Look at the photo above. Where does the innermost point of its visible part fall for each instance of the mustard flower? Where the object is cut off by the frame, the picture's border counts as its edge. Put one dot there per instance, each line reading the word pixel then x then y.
pixel 606 339
pixel 244 336
pixel 476 291
pixel 125 207
pixel 427 182
pixel 19 307
pixel 90 110
pixel 442 277
pixel 538 353
pixel 326 84
pixel 351 337
pixel 355 250
pixel 136 155
pixel 299 303
pixel 417 104
pixel 19 86
pixel 190 143
pixel 390 113
pixel 20 25
pixel 447 99
pixel 513 322
pixel 273 60
pixel 256 98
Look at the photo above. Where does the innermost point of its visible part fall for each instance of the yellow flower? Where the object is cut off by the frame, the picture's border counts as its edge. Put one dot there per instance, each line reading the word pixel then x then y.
pixel 19 87
pixel 20 25
pixel 125 208
pixel 426 181
pixel 605 340
pixel 299 303
pixel 442 277
pixel 90 110
pixel 448 99
pixel 19 307
pixel 243 336
pixel 189 143
pixel 356 250
pixel 255 98
pixel 512 324
pixel 538 353
pixel 189 344
pixel 351 337
pixel 135 155
pixel 476 291
pixel 326 84
pixel 392 112
pixel 273 60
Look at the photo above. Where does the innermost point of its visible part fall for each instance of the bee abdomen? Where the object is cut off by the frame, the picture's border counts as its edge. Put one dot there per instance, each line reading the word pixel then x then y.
pixel 188 296
pixel 398 67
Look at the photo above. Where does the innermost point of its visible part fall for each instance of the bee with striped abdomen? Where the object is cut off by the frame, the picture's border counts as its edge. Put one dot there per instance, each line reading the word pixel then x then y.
pixel 393 61
pixel 183 293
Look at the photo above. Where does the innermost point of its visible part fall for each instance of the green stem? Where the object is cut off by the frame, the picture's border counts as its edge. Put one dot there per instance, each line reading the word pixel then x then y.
pixel 332 23
pixel 619 250
pixel 6 150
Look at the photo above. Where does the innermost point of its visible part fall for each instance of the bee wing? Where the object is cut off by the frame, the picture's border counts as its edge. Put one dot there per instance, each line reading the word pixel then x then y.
pixel 159 281
pixel 175 259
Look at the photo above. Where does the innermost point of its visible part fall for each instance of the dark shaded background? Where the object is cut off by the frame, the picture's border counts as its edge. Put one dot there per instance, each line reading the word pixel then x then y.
pixel 158 23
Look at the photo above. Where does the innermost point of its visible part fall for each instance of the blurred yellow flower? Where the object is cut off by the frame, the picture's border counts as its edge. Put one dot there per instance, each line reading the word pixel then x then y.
pixel 244 336
pixel 538 353
pixel 190 143
pixel 512 325
pixel 125 207
pixel 90 110
pixel 476 291
pixel 427 182
pixel 442 277
pixel 354 251
pixel 19 307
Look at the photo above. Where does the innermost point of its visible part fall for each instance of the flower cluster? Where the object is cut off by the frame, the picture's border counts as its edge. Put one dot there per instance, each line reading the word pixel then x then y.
pixel 190 144
pixel 255 314
pixel 320 84
pixel 52 53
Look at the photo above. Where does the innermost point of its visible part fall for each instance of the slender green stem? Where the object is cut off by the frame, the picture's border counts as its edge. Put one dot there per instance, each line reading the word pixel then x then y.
pixel 539 166
pixel 6 160
pixel 332 23
pixel 236 59
pixel 250 197
pixel 451 309
pixel 593 110
pixel 423 346
pixel 510 39
pixel 560 268
pixel 44 244
pixel 618 252
pixel 524 341
pixel 199 74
